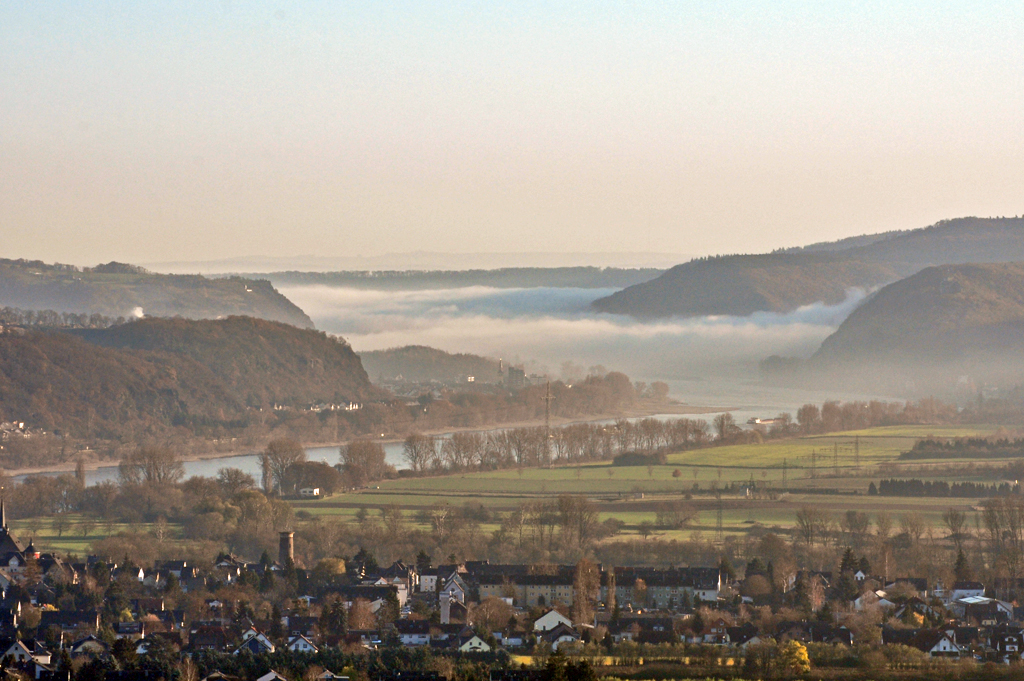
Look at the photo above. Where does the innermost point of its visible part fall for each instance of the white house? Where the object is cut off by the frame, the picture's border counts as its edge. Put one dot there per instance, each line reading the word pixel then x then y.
pixel 272 676
pixel 454 589
pixel 966 590
pixel 550 620
pixel 301 644
pixel 872 600
pixel 474 644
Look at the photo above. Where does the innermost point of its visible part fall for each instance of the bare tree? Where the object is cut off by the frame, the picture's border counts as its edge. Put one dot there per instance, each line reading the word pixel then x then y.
pixel 587 590
pixel 154 466
pixel 956 522
pixel 419 450
pixel 234 481
pixel 278 456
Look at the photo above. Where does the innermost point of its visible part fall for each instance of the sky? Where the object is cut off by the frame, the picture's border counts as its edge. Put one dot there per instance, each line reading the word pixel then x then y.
pixel 200 130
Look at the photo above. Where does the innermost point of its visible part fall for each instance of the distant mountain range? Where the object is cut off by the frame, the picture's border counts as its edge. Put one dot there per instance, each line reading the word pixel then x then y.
pixel 119 290
pixel 420 261
pixel 507 277
pixel 785 280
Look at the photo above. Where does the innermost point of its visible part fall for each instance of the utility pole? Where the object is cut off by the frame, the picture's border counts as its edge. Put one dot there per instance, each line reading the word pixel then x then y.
pixel 814 463
pixel 856 452
pixel 835 458
pixel 785 470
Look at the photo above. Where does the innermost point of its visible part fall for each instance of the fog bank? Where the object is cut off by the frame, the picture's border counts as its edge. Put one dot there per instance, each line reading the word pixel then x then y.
pixel 553 325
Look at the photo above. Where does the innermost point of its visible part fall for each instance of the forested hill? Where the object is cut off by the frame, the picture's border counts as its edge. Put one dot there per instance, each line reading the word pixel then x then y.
pixel 119 290
pixel 784 280
pixel 260 362
pixel 960 320
pixel 419 363
pixel 145 378
pixel 744 284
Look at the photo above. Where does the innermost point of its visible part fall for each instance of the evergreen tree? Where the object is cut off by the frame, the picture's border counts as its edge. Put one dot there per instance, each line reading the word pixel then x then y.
pixel 962 568
pixel 726 568
pixel 849 563
pixel 333 618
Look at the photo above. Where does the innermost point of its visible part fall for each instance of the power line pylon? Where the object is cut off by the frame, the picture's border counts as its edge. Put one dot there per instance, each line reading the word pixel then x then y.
pixel 547 425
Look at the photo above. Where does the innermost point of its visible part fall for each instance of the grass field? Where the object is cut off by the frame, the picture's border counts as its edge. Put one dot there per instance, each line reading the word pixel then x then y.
pixel 846 462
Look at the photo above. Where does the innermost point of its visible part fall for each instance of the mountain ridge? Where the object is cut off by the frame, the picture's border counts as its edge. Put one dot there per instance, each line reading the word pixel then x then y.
pixel 120 290
pixel 784 280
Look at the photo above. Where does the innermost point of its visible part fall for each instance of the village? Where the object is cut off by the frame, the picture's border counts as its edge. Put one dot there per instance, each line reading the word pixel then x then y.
pixel 62 615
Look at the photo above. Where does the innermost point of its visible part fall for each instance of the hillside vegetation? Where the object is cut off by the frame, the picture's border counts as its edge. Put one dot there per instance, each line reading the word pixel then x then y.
pixel 953 319
pixel 744 284
pixel 418 363
pixel 149 377
pixel 783 281
pixel 118 290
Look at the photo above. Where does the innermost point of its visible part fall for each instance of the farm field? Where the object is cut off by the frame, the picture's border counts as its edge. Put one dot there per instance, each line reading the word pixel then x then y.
pixel 785 476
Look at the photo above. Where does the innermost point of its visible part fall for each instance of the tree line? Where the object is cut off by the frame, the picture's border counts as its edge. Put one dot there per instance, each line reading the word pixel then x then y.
pixel 13 316
pixel 914 487
pixel 965 448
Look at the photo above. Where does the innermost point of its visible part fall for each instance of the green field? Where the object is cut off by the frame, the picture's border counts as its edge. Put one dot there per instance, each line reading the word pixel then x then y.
pixel 847 462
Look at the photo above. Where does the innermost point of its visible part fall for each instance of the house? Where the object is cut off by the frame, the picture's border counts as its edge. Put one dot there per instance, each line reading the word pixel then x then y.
pixel 472 644
pixel 511 638
pixel 937 643
pixel 985 611
pixel 715 632
pixel 255 642
pixel 328 675
pixel 208 638
pixel 966 590
pixel 272 676
pixel 299 625
pixel 813 632
pixel 301 644
pixel 744 636
pixel 413 632
pixel 131 630
pixel 1008 642
pixel 872 600
pixel 559 635
pixel 454 589
pixel 550 620
pixel 220 676
pixel 428 581
pixel 90 646
pixel 918 606
pixel 23 652
pixel 934 642
pixel 171 637
pixel 69 621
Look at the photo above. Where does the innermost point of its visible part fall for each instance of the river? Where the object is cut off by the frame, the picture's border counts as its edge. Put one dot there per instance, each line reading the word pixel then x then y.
pixel 747 398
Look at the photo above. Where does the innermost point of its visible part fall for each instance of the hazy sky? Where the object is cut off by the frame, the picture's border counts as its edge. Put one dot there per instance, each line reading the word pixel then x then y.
pixel 200 130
